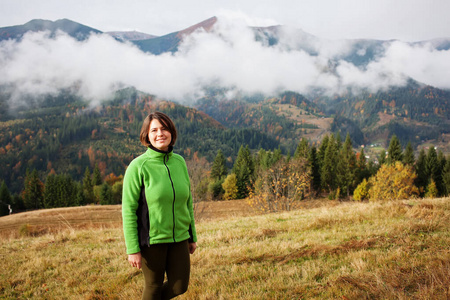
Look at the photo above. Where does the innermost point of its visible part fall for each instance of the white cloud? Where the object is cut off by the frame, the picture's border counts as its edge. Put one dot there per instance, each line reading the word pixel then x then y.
pixel 228 56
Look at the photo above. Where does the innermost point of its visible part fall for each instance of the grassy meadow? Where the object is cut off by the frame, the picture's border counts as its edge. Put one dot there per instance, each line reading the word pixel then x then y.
pixel 325 250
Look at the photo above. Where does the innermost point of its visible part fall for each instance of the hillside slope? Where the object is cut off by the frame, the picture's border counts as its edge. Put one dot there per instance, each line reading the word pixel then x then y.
pixel 388 250
pixel 62 135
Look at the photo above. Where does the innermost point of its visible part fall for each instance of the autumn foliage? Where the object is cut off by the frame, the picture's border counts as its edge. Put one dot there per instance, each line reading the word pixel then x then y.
pixel 395 181
pixel 281 186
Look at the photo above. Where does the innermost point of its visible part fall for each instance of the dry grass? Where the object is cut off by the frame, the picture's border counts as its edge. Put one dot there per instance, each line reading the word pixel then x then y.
pixel 326 250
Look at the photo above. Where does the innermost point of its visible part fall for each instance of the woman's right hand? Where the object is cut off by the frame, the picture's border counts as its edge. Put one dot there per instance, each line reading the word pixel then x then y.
pixel 135 260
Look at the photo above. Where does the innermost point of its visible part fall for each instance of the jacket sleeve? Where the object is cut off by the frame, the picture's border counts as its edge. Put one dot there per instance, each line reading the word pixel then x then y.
pixel 192 230
pixel 190 205
pixel 130 202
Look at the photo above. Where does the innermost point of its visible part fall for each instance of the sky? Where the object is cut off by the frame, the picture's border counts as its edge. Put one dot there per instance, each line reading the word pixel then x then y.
pixel 406 20
pixel 229 56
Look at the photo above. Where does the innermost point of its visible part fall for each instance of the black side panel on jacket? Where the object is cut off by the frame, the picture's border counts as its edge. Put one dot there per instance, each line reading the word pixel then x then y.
pixel 143 220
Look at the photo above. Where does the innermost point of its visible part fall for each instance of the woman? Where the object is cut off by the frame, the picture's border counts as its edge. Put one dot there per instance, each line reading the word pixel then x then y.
pixel 157 211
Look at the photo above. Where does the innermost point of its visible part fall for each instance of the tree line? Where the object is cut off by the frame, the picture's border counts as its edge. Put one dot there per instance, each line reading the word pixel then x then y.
pixel 62 191
pixel 332 168
pixel 270 180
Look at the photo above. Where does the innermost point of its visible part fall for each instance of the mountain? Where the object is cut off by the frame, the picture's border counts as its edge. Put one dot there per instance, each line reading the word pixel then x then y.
pixel 171 41
pixel 130 35
pixel 61 135
pixel 74 29
pixel 416 112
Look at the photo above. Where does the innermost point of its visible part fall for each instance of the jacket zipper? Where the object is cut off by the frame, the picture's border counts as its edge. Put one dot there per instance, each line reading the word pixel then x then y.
pixel 173 203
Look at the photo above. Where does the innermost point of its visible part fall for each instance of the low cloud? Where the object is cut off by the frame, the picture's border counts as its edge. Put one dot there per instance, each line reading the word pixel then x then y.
pixel 227 57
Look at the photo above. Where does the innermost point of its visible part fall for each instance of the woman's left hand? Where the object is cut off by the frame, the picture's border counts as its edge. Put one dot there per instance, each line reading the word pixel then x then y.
pixel 192 247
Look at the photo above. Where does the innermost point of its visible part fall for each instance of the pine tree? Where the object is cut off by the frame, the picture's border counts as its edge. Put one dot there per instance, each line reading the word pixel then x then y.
pixel 422 179
pixel 313 162
pixel 432 169
pixel 51 191
pixel 362 170
pixel 79 198
pixel 105 194
pixel 5 199
pixel 33 193
pixel 446 178
pixel 345 169
pixel 441 161
pixel 96 176
pixel 382 158
pixel 322 149
pixel 302 149
pixel 219 168
pixel 88 188
pixel 244 170
pixel 394 150
pixel 328 169
pixel 66 191
pixel 408 155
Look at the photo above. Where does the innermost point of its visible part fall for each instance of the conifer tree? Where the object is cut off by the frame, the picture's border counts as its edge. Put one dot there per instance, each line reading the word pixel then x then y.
pixel 446 178
pixel 302 149
pixel 5 199
pixel 244 170
pixel 345 169
pixel 313 162
pixel 79 198
pixel 382 158
pixel 441 161
pixel 96 176
pixel 105 194
pixel 51 191
pixel 219 168
pixel 420 168
pixel 33 193
pixel 408 155
pixel 394 150
pixel 432 168
pixel 362 170
pixel 88 188
pixel 66 191
pixel 328 169
pixel 322 149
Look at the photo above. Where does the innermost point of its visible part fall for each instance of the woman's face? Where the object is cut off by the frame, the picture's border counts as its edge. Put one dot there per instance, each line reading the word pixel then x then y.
pixel 159 136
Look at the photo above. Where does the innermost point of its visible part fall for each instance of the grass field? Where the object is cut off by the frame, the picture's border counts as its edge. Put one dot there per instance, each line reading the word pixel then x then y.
pixel 326 250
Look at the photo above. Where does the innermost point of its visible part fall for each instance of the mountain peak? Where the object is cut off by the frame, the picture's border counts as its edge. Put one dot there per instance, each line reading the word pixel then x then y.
pixel 74 29
pixel 207 25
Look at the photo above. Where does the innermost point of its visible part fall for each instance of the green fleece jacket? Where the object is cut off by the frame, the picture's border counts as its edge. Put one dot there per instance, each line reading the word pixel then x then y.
pixel 157 201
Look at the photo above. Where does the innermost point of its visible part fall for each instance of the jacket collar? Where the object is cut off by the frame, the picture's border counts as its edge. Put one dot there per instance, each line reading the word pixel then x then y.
pixel 155 153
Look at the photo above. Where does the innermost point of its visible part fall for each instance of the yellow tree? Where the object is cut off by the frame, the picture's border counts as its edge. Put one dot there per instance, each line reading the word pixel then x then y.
pixel 393 182
pixel 362 191
pixel 230 187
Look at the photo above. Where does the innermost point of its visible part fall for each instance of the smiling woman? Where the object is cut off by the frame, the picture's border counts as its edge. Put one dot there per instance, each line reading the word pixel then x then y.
pixel 157 211
pixel 158 131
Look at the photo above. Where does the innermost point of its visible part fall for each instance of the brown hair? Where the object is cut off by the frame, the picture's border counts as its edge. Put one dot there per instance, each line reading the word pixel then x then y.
pixel 164 120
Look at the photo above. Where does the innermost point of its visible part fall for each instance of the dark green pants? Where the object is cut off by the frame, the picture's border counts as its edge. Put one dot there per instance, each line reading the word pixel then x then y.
pixel 171 259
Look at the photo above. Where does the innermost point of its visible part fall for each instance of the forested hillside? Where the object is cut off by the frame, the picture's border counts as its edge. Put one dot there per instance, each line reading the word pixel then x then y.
pixel 63 135
pixel 415 113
